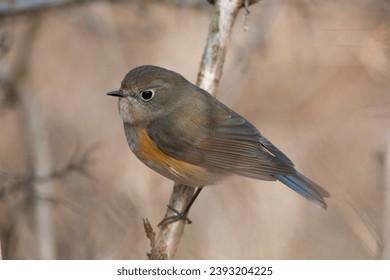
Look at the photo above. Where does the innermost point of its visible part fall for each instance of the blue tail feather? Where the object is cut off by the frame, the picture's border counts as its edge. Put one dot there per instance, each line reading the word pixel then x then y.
pixel 305 187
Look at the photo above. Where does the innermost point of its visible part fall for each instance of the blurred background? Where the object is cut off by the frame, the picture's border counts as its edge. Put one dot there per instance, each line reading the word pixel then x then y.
pixel 312 76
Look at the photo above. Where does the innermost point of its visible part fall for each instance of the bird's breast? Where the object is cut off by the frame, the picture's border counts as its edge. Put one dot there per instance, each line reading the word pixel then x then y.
pixel 176 170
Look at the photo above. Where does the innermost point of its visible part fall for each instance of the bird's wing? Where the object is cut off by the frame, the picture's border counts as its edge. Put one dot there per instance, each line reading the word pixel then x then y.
pixel 230 145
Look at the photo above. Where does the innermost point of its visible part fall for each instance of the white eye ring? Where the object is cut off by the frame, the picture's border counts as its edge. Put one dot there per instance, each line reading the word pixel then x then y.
pixel 147 95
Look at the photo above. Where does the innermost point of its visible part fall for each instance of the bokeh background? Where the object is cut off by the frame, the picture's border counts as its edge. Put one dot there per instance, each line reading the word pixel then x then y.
pixel 312 76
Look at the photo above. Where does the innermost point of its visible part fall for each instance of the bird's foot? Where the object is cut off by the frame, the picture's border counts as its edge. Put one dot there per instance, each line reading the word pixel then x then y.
pixel 176 217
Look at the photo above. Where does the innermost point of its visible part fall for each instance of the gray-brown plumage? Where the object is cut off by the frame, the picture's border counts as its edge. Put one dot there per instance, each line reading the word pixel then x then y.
pixel 189 125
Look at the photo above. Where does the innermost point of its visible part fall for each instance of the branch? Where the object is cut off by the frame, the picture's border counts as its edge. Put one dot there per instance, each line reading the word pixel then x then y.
pixel 220 30
pixel 11 182
pixel 37 142
pixel 156 253
pixel 14 7
pixel 17 7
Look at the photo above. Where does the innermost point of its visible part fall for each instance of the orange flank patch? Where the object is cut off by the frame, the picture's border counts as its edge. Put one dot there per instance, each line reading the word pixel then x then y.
pixel 147 150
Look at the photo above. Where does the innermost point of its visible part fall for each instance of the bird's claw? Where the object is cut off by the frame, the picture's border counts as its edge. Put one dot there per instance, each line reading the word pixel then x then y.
pixel 174 218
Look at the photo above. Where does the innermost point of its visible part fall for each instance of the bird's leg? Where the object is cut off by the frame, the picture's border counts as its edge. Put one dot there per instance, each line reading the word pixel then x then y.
pixel 181 215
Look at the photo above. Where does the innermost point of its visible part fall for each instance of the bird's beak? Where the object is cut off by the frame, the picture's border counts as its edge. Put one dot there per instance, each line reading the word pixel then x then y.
pixel 117 93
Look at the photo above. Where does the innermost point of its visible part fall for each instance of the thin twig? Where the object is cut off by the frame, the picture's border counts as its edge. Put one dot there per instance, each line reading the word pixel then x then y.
pixel 27 6
pixel 13 182
pixel 156 253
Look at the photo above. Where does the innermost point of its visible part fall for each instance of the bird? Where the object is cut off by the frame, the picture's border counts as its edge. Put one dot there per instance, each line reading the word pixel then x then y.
pixel 187 135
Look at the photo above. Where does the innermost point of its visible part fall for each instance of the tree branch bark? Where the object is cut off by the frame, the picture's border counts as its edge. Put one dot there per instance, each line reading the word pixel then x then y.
pixel 220 30
pixel 17 7
pixel 38 145
pixel 14 7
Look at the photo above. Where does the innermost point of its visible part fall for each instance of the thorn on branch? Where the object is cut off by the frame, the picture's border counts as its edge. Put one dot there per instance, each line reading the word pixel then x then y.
pixel 156 253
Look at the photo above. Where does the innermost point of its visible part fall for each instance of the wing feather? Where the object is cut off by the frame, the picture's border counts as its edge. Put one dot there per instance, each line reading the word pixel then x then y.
pixel 232 145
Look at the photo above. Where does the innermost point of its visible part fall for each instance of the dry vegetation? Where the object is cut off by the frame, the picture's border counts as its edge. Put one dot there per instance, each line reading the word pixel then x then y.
pixel 313 76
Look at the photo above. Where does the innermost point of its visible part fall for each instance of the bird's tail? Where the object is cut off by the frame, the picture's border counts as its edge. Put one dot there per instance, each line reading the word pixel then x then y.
pixel 305 187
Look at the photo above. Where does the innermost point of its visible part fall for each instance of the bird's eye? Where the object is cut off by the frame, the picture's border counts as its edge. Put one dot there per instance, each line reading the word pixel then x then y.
pixel 147 95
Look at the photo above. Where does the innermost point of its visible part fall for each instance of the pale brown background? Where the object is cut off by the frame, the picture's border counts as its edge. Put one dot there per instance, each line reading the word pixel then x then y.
pixel 312 76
